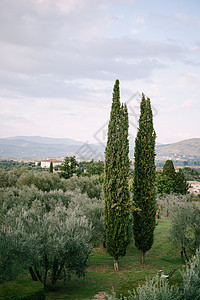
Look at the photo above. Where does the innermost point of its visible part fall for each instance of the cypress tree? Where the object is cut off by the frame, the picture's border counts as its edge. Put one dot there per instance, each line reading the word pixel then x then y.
pixel 181 185
pixel 51 167
pixel 116 191
pixel 144 180
pixel 168 169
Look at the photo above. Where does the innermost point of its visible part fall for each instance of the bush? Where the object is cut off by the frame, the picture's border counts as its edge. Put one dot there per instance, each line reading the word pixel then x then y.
pixel 22 290
pixel 155 289
pixel 85 185
pixel 44 181
pixel 191 278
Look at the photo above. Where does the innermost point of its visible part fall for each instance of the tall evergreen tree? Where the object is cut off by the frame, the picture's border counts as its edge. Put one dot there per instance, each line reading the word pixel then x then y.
pixel 168 169
pixel 181 186
pixel 144 180
pixel 116 190
pixel 51 167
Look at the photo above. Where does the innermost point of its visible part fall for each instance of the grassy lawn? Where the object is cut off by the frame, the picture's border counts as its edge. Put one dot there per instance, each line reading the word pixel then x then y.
pixel 100 275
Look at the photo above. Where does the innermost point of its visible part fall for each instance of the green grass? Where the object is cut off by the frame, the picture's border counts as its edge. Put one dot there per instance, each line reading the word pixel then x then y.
pixel 24 289
pixel 101 277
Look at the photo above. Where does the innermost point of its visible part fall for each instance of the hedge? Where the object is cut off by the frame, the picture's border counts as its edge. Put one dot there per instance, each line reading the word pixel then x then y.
pixel 22 290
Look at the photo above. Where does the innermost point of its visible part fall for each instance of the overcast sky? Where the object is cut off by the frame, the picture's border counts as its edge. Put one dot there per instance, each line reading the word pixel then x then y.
pixel 59 60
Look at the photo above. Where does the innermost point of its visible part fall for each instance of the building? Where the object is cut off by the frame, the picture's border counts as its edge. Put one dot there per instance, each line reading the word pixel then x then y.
pixel 46 163
pixel 194 187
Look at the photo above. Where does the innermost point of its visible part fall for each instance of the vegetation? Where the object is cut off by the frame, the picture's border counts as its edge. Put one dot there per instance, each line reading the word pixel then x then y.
pixel 181 185
pixel 116 190
pixel 21 290
pixel 169 170
pixel 51 167
pixel 192 174
pixel 159 287
pixel 144 180
pixel 99 270
pixel 53 226
pixel 169 181
pixel 47 230
pixel 68 167
pixel 185 230
pixel 90 168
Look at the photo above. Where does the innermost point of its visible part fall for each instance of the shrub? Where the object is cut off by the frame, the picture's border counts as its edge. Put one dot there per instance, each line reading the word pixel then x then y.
pixel 155 289
pixel 191 278
pixel 85 185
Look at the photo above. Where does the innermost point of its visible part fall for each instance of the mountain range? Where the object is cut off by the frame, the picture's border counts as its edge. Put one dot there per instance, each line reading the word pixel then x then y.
pixel 42 147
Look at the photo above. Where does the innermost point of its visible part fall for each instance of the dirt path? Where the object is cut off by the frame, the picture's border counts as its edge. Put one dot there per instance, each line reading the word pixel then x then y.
pixel 99 296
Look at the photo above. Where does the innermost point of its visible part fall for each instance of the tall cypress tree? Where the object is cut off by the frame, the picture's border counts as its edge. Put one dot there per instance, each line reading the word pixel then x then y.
pixel 144 180
pixel 116 191
pixel 51 167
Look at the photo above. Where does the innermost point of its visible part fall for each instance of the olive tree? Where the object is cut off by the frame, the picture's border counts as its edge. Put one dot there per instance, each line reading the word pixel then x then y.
pixel 54 243
pixel 185 227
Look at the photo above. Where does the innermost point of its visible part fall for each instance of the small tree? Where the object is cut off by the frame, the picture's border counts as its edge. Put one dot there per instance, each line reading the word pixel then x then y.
pixel 185 232
pixel 144 180
pixel 68 167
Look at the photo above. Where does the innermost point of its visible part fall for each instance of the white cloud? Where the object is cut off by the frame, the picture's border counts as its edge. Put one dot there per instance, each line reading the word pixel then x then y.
pixel 190 79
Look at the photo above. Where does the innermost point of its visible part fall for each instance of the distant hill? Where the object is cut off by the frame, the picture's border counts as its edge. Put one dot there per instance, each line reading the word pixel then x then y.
pixel 43 147
pixel 46 140
pixel 188 148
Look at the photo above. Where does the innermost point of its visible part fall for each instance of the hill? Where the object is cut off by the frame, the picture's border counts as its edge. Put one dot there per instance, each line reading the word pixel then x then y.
pixel 46 140
pixel 43 147
pixel 189 149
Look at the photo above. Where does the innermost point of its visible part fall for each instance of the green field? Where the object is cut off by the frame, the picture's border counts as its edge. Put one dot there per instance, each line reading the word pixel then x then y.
pixel 100 276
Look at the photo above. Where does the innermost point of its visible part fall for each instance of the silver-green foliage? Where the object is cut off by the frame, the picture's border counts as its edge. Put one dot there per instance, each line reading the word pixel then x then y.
pixel 185 228
pixel 191 279
pixel 155 289
pixel 93 209
pixel 42 180
pixel 53 243
pixel 167 202
pixel 84 185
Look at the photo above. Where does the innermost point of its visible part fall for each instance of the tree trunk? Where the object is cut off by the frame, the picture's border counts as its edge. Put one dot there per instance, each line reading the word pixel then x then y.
pixel 182 258
pixel 46 271
pixel 34 277
pixel 38 275
pixel 142 257
pixel 185 254
pixel 116 264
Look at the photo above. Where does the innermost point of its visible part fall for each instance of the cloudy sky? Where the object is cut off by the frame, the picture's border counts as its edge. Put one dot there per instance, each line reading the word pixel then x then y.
pixel 59 60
